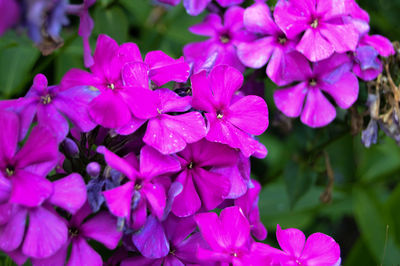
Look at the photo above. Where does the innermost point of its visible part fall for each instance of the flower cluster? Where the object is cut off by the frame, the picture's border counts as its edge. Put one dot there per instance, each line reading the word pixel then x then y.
pixel 116 157
pixel 312 47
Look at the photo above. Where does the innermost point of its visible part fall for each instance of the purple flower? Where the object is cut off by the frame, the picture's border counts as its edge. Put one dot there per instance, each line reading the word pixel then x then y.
pixel 165 132
pixel 146 187
pixel 331 76
pixel 195 7
pixel 367 65
pixel 202 187
pixel 224 38
pixel 113 107
pixel 321 21
pixel 102 227
pixel 68 193
pixel 230 122
pixel 172 242
pixel 50 106
pixel 9 14
pixel 319 249
pixel 23 171
pixel 227 235
pixel 273 46
pixel 248 203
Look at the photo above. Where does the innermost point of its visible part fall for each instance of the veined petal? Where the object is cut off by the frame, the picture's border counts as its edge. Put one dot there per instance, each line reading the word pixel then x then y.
pixel 207 153
pixel 202 93
pixel 380 43
pixel 320 249
pixel 69 193
pixel 151 240
pixel 172 102
pixel 233 220
pixel 334 34
pixel 314 46
pixel 224 82
pixel 257 18
pixel 102 228
pixel 83 254
pixel 104 53
pixel 29 189
pixel 290 100
pixel 119 200
pixel 136 74
pixel 78 77
pixel 153 163
pixel 291 240
pixel 47 233
pixel 12 233
pixel 250 114
pixel 318 111
pixel 187 202
pixel 155 195
pixel 293 17
pixel 257 53
pixel 344 91
pixel 164 68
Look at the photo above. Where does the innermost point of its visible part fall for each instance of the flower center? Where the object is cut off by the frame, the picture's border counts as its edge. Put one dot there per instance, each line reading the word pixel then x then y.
pixel 10 170
pixel 312 82
pixel 314 24
pixel 138 186
pixel 190 166
pixel 219 114
pixel 46 99
pixel 282 40
pixel 73 231
pixel 111 86
pixel 234 254
pixel 224 38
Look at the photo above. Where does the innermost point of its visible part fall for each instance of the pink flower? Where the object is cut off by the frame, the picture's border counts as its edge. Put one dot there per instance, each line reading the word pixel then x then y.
pixel 227 235
pixel 9 14
pixel 321 21
pixel 331 76
pixel 273 46
pixel 146 186
pixel 224 38
pixel 231 122
pixel 319 249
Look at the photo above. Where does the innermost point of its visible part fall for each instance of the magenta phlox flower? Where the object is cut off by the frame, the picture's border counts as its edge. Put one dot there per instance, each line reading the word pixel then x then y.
pixel 358 17
pixel 195 7
pixel 172 242
pixel 319 249
pixel 68 193
pixel 322 23
pixel 9 14
pixel 201 186
pixel 112 108
pixel 273 46
pixel 227 235
pixel 165 132
pixel 220 48
pixel 102 227
pixel 229 123
pixel 331 76
pixel 23 171
pixel 146 187
pixel 248 203
pixel 367 65
pixel 51 107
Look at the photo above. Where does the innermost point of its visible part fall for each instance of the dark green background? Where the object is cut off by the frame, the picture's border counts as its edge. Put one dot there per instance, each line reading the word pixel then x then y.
pixel 364 215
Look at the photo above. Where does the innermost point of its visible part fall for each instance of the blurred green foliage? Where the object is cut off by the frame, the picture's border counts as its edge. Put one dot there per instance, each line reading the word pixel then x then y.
pixel 363 211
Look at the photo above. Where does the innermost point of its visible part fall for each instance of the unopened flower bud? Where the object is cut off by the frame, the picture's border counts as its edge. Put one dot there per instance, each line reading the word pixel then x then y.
pixel 93 169
pixel 70 147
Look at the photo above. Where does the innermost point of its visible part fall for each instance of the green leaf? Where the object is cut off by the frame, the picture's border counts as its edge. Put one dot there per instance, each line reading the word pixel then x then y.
pixel 359 255
pixel 393 210
pixel 375 229
pixel 113 22
pixel 298 180
pixel 17 57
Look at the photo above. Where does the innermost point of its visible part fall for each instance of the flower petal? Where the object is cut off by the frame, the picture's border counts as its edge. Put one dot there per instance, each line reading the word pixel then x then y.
pixel 164 68
pixel 318 111
pixel 69 193
pixel 151 240
pixel 208 27
pixel 225 81
pixel 250 114
pixel 320 249
pixel 12 233
pixel 118 163
pixel 83 254
pixel 195 7
pixel 257 53
pixel 290 100
pixel 187 202
pixel 153 163
pixel 291 240
pixel 47 233
pixel 9 124
pixel 119 200
pixel 257 18
pixel 102 228
pixel 334 34
pixel 136 74
pixel 314 46
pixel 155 195
pixel 344 91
